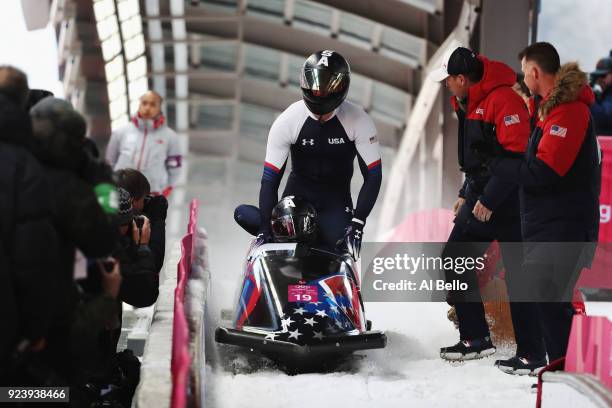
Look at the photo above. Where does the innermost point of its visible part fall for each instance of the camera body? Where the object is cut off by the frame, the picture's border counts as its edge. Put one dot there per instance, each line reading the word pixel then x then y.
pixel 139 221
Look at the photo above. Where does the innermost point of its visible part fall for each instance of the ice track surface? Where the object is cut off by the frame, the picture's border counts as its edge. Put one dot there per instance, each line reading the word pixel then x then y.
pixel 408 372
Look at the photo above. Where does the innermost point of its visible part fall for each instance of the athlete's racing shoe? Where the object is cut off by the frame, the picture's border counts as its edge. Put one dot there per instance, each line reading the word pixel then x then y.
pixel 468 350
pixel 521 366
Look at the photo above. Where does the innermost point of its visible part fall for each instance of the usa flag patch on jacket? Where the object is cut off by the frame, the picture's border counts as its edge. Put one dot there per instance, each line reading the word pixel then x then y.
pixel 557 130
pixel 511 120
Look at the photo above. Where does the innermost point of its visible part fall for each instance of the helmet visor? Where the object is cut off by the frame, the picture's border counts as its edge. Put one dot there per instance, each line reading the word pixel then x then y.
pixel 284 227
pixel 322 82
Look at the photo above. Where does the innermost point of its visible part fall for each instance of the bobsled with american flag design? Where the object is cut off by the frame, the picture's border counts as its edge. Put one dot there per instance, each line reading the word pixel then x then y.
pixel 300 305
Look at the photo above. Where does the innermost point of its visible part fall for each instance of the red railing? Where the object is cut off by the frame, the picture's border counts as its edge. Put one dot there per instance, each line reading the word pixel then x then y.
pixel 181 359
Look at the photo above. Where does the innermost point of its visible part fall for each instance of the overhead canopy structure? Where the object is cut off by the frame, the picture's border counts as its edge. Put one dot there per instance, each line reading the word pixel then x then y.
pixel 227 68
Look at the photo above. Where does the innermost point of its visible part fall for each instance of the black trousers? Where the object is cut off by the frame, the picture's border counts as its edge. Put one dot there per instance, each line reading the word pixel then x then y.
pixel 463 242
pixel 554 269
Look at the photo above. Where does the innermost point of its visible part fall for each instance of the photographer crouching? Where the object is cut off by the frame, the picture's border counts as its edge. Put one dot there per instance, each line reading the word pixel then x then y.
pixel 154 207
pixel 140 284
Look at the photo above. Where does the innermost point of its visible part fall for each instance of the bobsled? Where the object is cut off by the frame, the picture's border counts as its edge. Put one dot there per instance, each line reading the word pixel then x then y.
pixel 300 306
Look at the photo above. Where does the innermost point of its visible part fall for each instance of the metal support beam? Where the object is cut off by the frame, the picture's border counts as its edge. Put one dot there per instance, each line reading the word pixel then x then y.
pixel 417 126
pixel 504 30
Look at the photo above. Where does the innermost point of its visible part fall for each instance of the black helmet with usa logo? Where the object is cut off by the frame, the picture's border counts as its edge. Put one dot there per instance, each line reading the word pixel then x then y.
pixel 294 219
pixel 325 80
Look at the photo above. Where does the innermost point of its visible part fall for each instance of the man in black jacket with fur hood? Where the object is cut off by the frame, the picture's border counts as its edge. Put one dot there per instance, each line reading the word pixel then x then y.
pixel 560 179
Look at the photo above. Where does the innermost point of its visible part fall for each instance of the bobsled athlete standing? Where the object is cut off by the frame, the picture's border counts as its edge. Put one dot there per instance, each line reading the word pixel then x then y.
pixel 323 132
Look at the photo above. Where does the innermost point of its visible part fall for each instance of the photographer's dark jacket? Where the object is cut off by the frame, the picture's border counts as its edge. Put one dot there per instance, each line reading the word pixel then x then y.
pixel 494 119
pixel 140 276
pixel 560 176
pixel 28 242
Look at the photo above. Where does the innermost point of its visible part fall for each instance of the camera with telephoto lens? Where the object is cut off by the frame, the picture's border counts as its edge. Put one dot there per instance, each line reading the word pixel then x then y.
pixel 139 220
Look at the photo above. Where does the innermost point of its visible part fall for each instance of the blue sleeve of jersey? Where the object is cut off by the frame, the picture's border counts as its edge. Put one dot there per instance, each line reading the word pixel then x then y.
pixel 372 179
pixel 268 194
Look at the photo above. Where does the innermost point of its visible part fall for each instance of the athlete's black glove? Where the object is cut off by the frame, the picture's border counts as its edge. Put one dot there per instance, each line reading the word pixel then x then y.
pixel 353 234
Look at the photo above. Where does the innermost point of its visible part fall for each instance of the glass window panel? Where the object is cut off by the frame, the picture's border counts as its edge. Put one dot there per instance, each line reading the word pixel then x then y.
pixel 107 27
pixel 134 47
pixel 138 88
pixel 118 107
pixel 103 9
pixel 255 122
pixel 356 27
pixel 171 114
pixel 401 43
pixel 261 62
pixel 313 14
pixel 111 47
pixel 137 68
pixel 131 27
pixel 267 8
pixel 295 67
pixel 357 88
pixel 127 9
pixel 219 57
pixel 215 117
pixel 116 88
pixel 114 68
pixel 219 5
pixel 389 101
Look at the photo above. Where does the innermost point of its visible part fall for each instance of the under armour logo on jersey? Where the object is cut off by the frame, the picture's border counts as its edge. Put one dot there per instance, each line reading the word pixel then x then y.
pixel 480 111
pixel 325 54
pixel 335 140
pixel 307 141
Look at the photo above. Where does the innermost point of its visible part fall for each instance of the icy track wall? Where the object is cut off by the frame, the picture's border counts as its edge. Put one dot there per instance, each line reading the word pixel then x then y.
pixel 170 374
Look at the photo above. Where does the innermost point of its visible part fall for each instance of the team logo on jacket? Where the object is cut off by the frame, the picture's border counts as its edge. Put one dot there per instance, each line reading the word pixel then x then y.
pixel 307 142
pixel 511 120
pixel 480 111
pixel 557 130
pixel 335 140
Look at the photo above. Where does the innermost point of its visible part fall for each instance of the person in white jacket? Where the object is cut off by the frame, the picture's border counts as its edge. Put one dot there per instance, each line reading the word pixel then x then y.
pixel 148 145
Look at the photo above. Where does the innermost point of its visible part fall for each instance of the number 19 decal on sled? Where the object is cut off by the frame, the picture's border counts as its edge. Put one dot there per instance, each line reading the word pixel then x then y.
pixel 301 307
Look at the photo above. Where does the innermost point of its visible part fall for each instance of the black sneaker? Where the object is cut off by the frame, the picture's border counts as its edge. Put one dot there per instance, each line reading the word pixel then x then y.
pixel 468 350
pixel 521 366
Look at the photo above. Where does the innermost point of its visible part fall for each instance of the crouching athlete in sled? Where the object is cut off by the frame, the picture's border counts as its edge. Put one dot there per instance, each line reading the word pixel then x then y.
pixel 323 132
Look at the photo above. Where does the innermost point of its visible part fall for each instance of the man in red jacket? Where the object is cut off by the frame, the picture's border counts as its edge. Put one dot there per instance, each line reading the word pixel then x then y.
pixel 493 119
pixel 560 179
